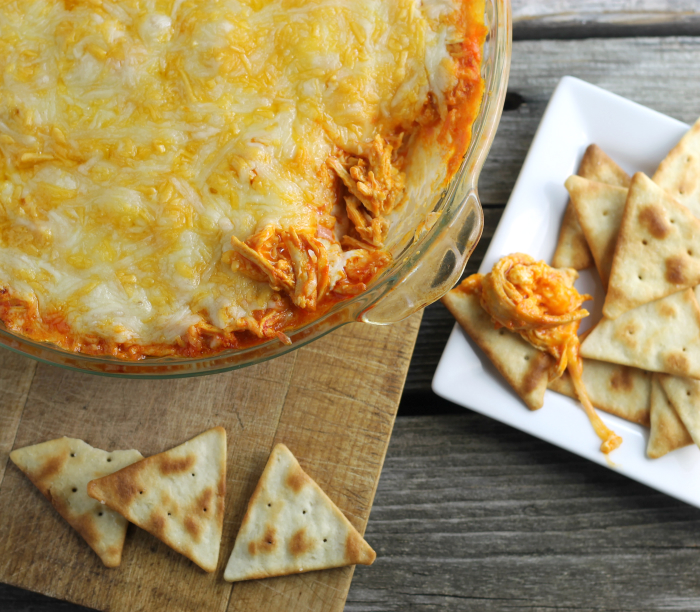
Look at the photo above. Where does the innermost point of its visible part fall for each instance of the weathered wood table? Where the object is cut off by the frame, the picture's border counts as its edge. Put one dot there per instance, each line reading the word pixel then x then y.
pixel 471 514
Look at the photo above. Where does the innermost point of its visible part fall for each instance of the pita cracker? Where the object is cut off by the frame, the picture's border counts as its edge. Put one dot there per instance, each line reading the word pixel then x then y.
pixel 572 249
pixel 599 209
pixel 657 252
pixel 524 367
pixel 178 496
pixel 617 389
pixel 667 431
pixel 662 336
pixel 61 470
pixel 679 173
pixel 684 395
pixel 596 165
pixel 292 526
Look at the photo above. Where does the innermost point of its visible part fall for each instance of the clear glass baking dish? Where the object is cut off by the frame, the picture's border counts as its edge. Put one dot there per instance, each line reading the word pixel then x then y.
pixel 427 263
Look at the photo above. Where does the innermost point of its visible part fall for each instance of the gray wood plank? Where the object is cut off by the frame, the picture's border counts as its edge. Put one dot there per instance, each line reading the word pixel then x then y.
pixel 472 515
pixel 663 74
pixel 571 19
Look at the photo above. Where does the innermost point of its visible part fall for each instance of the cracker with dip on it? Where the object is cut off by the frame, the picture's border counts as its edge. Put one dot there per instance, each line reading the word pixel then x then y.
pixel 641 361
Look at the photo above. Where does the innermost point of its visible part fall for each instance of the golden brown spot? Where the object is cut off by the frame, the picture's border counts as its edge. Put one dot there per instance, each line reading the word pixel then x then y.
pixel 665 309
pixel 221 486
pixel 205 501
pixel 677 363
pixel 352 548
pixel 655 221
pixel 296 479
pixel 675 271
pixel 52 467
pixel 84 524
pixel 121 485
pixel 193 527
pixel 627 334
pixel 539 369
pixel 174 466
pixel 266 544
pixel 299 543
pixel 622 379
pixel 156 524
pixel 357 550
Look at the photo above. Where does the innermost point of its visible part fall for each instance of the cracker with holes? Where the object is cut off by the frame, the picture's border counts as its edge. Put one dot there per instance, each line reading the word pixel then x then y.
pixel 657 252
pixel 661 336
pixel 679 173
pixel 61 470
pixel 667 430
pixel 617 389
pixel 525 368
pixel 572 249
pixel 177 495
pixel 599 209
pixel 292 526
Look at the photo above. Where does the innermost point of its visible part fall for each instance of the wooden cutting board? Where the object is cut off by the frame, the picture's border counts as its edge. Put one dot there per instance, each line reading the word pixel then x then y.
pixel 332 403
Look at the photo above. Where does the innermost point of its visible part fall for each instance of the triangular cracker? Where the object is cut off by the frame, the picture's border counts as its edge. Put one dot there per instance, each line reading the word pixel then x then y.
pixel 292 526
pixel 178 496
pixel 679 173
pixel 684 395
pixel 662 336
pixel 572 249
pixel 657 252
pixel 667 431
pixel 617 389
pixel 596 165
pixel 599 209
pixel 61 470
pixel 524 367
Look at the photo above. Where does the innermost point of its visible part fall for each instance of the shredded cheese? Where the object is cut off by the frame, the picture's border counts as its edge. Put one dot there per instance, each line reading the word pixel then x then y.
pixel 139 137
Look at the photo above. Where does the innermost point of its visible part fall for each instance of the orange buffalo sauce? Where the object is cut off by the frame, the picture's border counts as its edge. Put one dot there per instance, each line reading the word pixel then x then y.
pixel 542 305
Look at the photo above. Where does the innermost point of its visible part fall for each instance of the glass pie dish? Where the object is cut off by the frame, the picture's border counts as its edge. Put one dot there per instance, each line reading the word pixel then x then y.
pixel 427 261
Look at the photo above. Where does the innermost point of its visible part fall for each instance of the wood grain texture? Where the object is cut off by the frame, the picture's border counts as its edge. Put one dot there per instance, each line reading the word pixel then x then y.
pixel 16 374
pixel 338 428
pixel 661 73
pixel 472 515
pixel 40 552
pixel 286 399
pixel 568 19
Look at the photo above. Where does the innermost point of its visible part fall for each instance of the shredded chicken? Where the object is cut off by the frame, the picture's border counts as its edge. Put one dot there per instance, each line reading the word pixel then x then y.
pixel 372 230
pixel 296 261
pixel 375 185
pixel 292 261
pixel 541 304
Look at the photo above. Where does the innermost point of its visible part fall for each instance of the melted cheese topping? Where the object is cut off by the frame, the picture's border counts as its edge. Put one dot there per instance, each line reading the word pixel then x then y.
pixel 138 137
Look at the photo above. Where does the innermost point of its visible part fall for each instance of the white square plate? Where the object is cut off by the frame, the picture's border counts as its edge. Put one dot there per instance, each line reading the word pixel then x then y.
pixel 637 138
